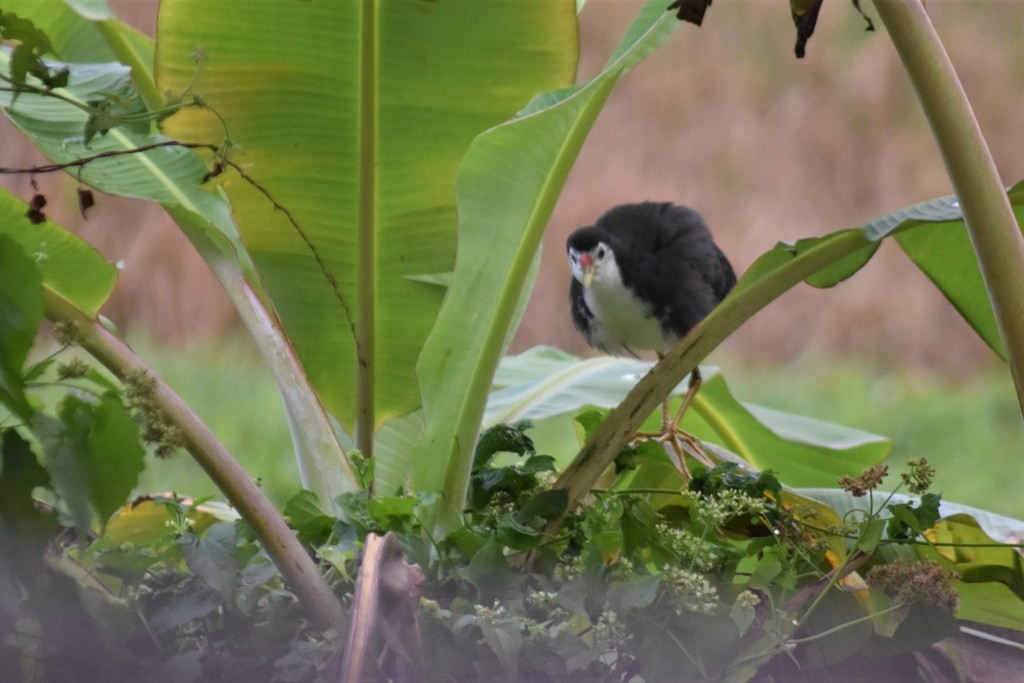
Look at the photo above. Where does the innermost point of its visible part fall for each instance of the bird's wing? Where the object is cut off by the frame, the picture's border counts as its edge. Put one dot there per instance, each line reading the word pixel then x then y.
pixel 582 316
pixel 720 275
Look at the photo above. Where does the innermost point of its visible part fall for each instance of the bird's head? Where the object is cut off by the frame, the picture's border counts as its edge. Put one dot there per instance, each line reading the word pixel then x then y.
pixel 590 255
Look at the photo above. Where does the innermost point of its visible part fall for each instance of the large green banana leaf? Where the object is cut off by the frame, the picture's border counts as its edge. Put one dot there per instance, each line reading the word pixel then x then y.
pixel 91 34
pixel 167 175
pixel 944 253
pixel 507 187
pixel 545 382
pixel 349 120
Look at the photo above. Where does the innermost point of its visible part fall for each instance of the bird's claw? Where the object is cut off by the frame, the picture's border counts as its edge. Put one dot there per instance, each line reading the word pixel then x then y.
pixel 680 444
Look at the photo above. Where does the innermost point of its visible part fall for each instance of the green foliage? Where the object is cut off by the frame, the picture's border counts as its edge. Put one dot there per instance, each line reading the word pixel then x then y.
pixel 93 454
pixel 30 44
pixel 21 311
pixel 157 600
pixel 729 476
pixel 908 520
pixel 352 219
pixel 342 252
pixel 91 446
pixel 499 236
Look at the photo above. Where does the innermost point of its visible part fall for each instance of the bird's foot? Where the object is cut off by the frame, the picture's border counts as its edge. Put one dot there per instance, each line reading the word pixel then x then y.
pixel 680 441
pixel 680 444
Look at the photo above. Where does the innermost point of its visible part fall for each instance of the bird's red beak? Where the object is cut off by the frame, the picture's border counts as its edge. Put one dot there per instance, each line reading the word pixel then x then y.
pixel 587 266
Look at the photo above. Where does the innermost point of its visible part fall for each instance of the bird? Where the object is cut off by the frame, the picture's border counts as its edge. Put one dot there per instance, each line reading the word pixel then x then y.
pixel 643 275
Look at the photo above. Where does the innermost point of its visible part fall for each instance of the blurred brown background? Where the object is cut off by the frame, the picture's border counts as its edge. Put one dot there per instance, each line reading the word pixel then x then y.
pixel 725 119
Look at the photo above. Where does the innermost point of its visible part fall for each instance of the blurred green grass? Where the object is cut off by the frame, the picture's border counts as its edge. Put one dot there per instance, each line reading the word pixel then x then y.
pixel 969 429
pixel 229 388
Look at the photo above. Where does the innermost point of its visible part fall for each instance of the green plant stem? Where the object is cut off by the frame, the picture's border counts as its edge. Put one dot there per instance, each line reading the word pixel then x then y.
pixel 623 422
pixel 142 72
pixel 771 652
pixel 930 544
pixel 844 625
pixel 43 92
pixel 324 467
pixel 849 564
pixel 997 240
pixel 291 559
pixel 367 277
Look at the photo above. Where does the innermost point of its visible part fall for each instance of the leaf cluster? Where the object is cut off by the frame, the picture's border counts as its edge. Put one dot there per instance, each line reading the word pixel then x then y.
pixel 730 576
pixel 721 577
pixel 176 589
pixel 30 44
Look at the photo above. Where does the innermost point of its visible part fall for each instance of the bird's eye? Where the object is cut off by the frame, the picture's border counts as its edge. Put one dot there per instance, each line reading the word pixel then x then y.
pixel 601 252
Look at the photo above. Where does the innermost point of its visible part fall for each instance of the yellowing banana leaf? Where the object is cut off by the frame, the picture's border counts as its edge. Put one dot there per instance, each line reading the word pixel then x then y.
pixel 348 120
pixel 984 548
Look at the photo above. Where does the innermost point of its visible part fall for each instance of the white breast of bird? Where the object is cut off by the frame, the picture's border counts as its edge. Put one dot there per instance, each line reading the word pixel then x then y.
pixel 622 325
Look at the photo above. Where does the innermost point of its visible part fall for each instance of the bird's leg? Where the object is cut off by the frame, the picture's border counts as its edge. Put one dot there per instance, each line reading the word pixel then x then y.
pixel 695 383
pixel 675 437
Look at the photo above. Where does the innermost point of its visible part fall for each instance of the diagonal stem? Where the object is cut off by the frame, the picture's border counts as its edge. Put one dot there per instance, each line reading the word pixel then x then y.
pixel 291 558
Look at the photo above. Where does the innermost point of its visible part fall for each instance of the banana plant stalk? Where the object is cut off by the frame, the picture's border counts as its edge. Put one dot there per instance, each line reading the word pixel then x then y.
pixel 995 235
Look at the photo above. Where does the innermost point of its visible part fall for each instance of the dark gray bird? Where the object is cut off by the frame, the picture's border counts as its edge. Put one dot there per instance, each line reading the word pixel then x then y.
pixel 643 276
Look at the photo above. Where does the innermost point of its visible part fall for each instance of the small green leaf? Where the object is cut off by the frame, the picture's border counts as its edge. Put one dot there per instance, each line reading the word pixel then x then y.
pixel 503 438
pixel 385 510
pixel 488 569
pixel 536 464
pixel 506 642
pixel 633 594
pixel 764 573
pixel 303 507
pixel 21 312
pixel 115 456
pixel 590 420
pixel 212 557
pixel 908 520
pixel 311 523
pixel 255 574
pixel 32 43
pixel 191 600
pixel 584 594
pixel 353 506
pixel 24 530
pixel 66 452
pixel 742 615
pixel 93 454
pixel 546 505
pixel 871 534
pixel 638 523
